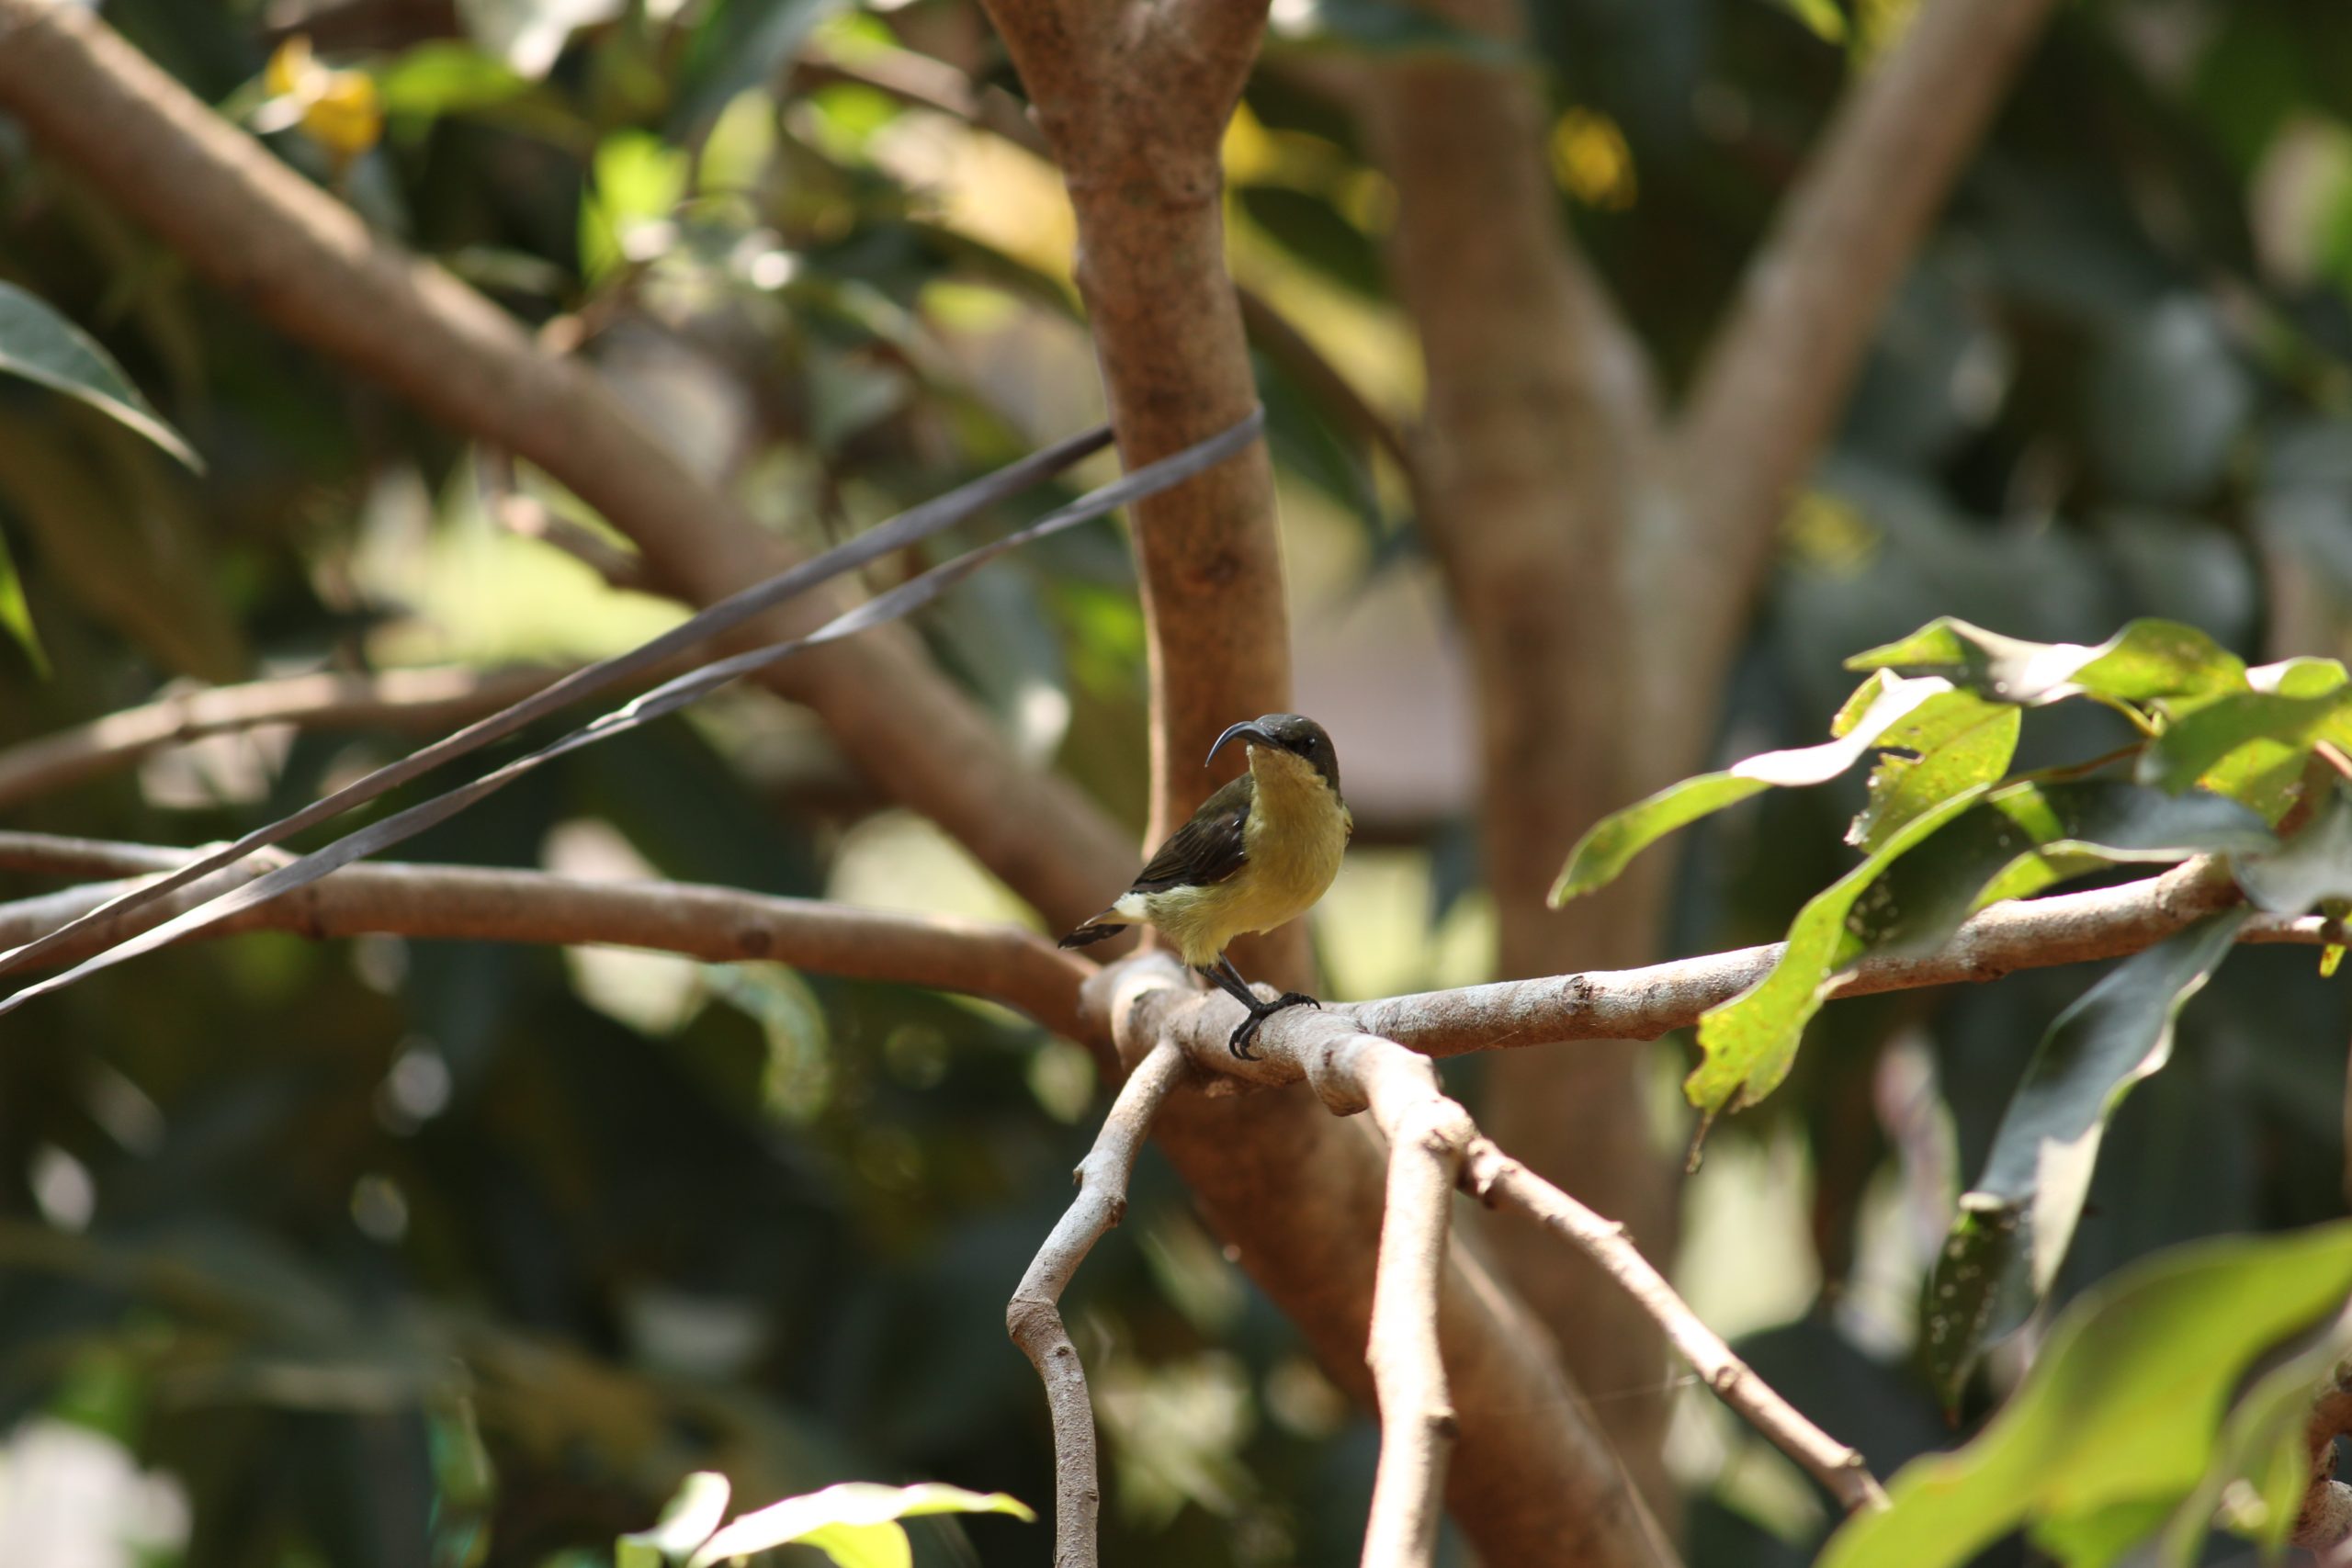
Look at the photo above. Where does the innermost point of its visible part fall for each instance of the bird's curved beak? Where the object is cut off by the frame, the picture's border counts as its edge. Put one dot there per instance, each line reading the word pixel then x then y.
pixel 1249 728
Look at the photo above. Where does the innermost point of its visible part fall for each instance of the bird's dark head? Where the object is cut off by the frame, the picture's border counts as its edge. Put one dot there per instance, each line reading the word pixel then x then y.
pixel 1290 733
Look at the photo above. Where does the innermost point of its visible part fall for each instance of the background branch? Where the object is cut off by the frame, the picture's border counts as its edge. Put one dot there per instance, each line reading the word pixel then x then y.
pixel 304 262
pixel 390 699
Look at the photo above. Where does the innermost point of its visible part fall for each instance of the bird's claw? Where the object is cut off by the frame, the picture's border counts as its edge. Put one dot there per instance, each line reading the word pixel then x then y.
pixel 1247 1030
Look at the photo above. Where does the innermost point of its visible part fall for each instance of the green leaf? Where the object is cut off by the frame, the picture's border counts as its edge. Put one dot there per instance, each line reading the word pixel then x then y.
pixel 2146 660
pixel 2020 1216
pixel 1973 747
pixel 1751 1040
pixel 1610 844
pixel 2121 1408
pixel 856 1522
pixel 2303 677
pixel 2317 863
pixel 2193 744
pixel 640 180
pixel 41 345
pixel 17 616
pixel 1823 17
pixel 1920 882
pixel 446 77
pixel 2264 1444
pixel 686 1522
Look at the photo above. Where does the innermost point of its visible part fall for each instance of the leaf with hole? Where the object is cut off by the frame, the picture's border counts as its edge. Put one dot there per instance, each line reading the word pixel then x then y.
pixel 2016 1224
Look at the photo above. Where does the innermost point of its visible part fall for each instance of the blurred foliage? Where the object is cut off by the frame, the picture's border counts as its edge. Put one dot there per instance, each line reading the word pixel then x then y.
pixel 397 1253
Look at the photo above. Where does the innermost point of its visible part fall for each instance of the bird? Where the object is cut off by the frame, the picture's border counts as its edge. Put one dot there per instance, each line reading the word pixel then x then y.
pixel 1258 854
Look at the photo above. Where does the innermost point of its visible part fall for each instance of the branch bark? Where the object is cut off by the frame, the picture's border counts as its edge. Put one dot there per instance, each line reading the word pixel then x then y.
pixel 1500 1179
pixel 2323 1527
pixel 302 261
pixel 392 699
pixel 720 925
pixel 1034 1318
pixel 1776 377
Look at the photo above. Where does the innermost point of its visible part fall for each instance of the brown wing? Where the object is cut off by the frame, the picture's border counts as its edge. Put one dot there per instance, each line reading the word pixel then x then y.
pixel 1207 849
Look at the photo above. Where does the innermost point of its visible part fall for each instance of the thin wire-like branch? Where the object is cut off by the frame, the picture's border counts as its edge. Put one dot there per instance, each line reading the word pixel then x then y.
pixel 1034 1318
pixel 393 699
pixel 1502 1180
pixel 1001 963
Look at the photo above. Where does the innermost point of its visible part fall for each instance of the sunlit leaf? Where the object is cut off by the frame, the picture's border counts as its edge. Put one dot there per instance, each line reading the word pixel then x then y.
pixel 1973 747
pixel 446 77
pixel 1611 843
pixel 2121 1407
pixel 1823 17
pixel 2020 1215
pixel 2199 740
pixel 2264 1444
pixel 686 1521
pixel 2146 660
pixel 855 1522
pixel 15 615
pixel 41 345
pixel 640 180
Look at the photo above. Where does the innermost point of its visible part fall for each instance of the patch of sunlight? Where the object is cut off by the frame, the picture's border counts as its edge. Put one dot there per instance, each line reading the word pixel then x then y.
pixel 1374 924
pixel 71 1497
pixel 983 186
pixel 474 593
pixel 653 993
pixel 1746 1259
pixel 895 860
pixel 1176 1432
pixel 1369 343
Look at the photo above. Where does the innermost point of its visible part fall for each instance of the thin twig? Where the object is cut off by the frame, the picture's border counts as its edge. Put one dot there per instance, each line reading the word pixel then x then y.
pixel 1498 1180
pixel 1034 1318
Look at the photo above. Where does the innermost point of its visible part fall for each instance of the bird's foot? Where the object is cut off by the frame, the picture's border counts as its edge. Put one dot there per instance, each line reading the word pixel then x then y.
pixel 1247 1030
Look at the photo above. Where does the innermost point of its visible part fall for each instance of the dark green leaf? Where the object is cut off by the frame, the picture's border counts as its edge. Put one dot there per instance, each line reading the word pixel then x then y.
pixel 2317 863
pixel 1313 229
pixel 41 345
pixel 2020 1216
pixel 2121 1407
pixel 1969 1294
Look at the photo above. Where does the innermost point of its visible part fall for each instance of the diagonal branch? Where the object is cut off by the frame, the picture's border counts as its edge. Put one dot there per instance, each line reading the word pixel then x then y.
pixel 302 261
pixel 1779 368
pixel 719 925
pixel 393 699
pixel 1500 1179
pixel 1034 1318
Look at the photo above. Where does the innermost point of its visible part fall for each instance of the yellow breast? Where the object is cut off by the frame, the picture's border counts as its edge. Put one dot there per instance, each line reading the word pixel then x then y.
pixel 1295 837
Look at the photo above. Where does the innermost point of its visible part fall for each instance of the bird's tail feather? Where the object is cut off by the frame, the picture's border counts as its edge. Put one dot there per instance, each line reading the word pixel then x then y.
pixel 1091 932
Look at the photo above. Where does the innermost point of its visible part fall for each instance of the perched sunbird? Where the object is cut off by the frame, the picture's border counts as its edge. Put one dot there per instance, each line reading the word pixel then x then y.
pixel 1258 854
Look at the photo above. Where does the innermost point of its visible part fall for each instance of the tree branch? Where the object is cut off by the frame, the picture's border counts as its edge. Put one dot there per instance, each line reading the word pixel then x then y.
pixel 392 699
pixel 2324 1525
pixel 1035 1319
pixel 1532 1483
pixel 719 925
pixel 302 261
pixel 1777 374
pixel 1500 1179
